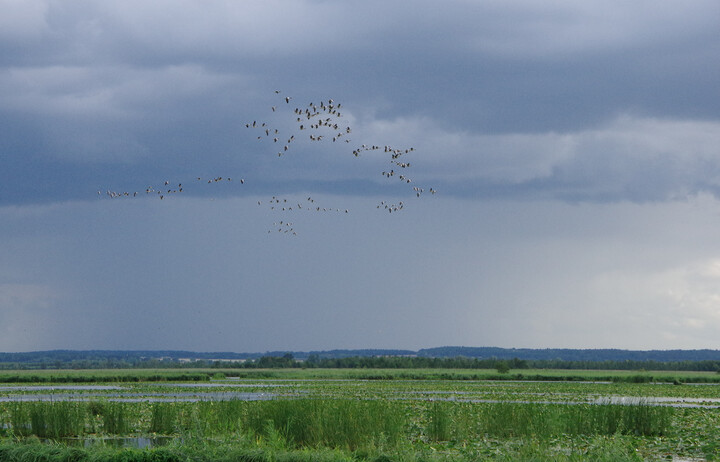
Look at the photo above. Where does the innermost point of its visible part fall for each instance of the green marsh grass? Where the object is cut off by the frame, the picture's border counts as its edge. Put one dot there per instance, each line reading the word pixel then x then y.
pixel 164 418
pixel 115 417
pixel 165 375
pixel 51 419
pixel 390 420
pixel 465 421
pixel 343 423
pixel 335 423
pixel 439 422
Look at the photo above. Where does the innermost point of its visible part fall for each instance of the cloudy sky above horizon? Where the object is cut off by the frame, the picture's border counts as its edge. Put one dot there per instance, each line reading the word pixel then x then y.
pixel 574 148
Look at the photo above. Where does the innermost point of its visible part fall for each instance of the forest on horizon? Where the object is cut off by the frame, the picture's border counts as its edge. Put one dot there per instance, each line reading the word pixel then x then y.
pixel 440 358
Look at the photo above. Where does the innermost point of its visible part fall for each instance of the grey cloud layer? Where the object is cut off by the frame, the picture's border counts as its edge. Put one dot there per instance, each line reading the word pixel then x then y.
pixel 204 275
pixel 573 144
pixel 510 98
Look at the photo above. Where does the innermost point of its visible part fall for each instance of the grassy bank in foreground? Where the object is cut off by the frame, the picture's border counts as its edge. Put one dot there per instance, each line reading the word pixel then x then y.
pixel 149 375
pixel 604 449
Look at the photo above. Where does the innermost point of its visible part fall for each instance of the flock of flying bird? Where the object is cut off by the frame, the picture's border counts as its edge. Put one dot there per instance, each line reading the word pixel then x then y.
pixel 321 122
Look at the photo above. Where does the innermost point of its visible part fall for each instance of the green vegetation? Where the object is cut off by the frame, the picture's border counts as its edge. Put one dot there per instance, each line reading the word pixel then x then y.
pixel 595 450
pixel 298 416
pixel 335 423
pixel 47 420
pixel 339 423
pixel 362 427
pixel 502 367
pixel 102 376
pixel 204 375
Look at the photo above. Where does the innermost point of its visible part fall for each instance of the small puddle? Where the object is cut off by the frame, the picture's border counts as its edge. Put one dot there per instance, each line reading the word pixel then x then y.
pixel 134 442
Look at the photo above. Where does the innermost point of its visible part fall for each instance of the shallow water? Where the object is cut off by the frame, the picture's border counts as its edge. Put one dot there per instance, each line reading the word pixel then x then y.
pixel 136 442
pixel 204 392
pixel 142 397
pixel 618 400
pixel 217 385
pixel 60 387
pixel 709 403
pixel 174 392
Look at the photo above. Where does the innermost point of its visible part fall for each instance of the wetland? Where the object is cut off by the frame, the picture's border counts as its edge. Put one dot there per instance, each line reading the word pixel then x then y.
pixel 328 415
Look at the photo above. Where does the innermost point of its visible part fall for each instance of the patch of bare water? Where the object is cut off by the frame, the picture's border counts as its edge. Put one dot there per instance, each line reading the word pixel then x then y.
pixel 133 442
pixel 60 387
pixel 141 397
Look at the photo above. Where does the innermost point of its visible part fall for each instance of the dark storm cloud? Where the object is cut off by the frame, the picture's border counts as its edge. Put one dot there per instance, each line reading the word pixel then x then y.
pixel 573 144
pixel 99 95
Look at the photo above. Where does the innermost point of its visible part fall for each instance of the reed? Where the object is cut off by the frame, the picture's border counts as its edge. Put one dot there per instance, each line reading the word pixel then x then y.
pixel 336 423
pixel 55 420
pixel 439 422
pixel 457 421
pixel 207 418
pixel 115 418
pixel 19 420
pixel 342 423
pixel 297 423
pixel 164 418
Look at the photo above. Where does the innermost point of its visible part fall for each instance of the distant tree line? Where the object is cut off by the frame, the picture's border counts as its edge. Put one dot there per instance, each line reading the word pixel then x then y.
pixel 287 360
pixel 396 362
pixel 567 354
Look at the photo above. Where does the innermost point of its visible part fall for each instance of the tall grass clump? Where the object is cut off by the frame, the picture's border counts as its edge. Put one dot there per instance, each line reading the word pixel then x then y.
pixel 48 419
pixel 462 421
pixel 280 424
pixel 336 423
pixel 115 418
pixel 57 420
pixel 506 420
pixel 545 420
pixel 19 419
pixel 214 417
pixel 163 418
pixel 639 419
pixel 439 422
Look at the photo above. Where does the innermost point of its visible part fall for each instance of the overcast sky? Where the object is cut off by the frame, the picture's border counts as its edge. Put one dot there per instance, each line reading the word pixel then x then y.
pixel 574 148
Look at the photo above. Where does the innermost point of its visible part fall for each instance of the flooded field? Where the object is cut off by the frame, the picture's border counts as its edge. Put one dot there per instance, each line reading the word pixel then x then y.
pixel 699 395
pixel 655 419
pixel 147 392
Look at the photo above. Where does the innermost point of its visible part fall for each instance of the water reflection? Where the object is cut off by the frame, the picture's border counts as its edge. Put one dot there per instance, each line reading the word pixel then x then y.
pixel 60 387
pixel 217 385
pixel 133 442
pixel 700 403
pixel 221 391
pixel 142 397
